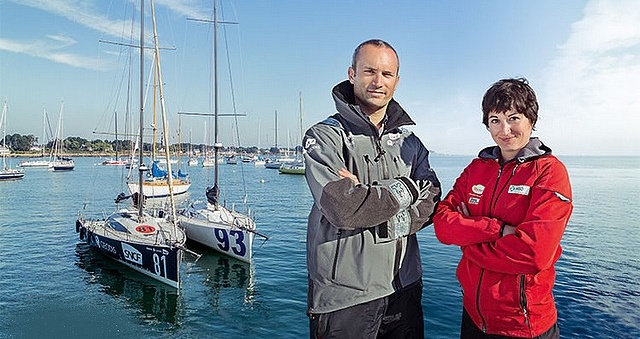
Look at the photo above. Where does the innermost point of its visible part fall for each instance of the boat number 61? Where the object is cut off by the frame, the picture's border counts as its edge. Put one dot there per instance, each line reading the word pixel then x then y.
pixel 224 241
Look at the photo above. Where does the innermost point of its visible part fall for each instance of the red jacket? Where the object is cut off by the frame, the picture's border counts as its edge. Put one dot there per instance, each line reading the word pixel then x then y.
pixel 507 281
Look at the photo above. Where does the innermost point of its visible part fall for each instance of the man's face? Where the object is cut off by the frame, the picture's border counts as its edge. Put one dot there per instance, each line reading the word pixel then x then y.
pixel 374 78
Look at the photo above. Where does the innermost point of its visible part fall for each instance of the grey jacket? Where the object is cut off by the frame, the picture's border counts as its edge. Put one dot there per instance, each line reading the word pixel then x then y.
pixel 361 242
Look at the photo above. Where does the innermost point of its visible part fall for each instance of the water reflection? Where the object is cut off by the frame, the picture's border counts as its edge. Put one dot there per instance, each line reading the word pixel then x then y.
pixel 155 301
pixel 218 272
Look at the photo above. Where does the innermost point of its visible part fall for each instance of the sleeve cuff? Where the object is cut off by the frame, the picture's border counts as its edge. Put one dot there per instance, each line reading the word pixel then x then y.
pixel 404 191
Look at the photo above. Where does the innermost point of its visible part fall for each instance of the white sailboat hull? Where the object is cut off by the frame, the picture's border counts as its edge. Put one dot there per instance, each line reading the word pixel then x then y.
pixel 35 163
pixel 220 229
pixel 159 188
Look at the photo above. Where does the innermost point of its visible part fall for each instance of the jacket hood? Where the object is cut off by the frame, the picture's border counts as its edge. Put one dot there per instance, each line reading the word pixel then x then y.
pixel 344 98
pixel 534 149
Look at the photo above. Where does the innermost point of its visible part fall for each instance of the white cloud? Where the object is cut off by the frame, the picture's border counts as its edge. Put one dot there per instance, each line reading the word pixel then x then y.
pixel 84 13
pixel 590 103
pixel 64 40
pixel 47 50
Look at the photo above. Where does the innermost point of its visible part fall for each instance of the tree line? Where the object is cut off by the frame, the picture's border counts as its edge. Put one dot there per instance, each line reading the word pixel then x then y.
pixel 29 143
pixel 26 143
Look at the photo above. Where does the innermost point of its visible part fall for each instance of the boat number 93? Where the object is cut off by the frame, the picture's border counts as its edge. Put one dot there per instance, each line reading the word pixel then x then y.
pixel 225 241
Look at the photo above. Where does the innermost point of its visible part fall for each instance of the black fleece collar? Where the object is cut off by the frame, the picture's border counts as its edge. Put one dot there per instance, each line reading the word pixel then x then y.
pixel 346 105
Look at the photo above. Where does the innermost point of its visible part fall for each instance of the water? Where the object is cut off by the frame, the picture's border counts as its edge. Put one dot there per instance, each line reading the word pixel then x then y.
pixel 55 286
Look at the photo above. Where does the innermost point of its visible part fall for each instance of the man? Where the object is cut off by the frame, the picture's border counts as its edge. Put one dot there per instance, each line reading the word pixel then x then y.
pixel 373 189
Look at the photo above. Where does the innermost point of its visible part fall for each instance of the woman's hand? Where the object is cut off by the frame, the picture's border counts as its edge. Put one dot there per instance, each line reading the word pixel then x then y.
pixel 462 209
pixel 508 229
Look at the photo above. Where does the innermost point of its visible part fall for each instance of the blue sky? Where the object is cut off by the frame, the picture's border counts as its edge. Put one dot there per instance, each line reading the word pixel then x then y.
pixel 581 57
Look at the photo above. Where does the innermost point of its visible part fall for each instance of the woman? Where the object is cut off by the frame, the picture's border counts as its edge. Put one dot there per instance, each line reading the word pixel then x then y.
pixel 507 211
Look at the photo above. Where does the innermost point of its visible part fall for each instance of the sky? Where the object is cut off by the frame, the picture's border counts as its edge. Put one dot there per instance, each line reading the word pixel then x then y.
pixel 581 57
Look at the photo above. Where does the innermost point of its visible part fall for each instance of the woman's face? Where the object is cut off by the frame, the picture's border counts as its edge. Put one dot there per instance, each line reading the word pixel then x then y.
pixel 510 131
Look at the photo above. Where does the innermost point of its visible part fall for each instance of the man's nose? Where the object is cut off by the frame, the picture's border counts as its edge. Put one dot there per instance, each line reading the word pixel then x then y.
pixel 377 78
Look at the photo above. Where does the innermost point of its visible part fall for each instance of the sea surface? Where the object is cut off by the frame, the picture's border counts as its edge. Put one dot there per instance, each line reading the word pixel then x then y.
pixel 52 285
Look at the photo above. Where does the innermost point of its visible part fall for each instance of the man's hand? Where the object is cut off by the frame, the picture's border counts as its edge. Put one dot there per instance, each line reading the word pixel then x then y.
pixel 344 173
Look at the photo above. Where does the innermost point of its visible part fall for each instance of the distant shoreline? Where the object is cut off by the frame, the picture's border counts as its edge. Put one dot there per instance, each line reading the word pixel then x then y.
pixel 76 155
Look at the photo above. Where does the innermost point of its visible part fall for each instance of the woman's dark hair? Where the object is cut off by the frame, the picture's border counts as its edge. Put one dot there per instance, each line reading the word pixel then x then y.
pixel 510 94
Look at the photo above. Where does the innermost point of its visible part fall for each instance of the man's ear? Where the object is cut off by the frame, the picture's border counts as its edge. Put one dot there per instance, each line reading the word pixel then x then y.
pixel 351 73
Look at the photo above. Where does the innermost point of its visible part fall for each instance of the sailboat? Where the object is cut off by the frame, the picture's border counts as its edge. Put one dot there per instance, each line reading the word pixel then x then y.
pixel 115 161
pixel 7 173
pixel 40 162
pixel 208 161
pixel 207 222
pixel 276 163
pixel 59 162
pixel 157 183
pixel 297 166
pixel 193 159
pixel 150 245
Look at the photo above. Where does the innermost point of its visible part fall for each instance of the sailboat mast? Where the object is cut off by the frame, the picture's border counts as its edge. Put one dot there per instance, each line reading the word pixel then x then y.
pixel 301 130
pixel 3 123
pixel 44 121
pixel 165 132
pixel 141 168
pixel 216 145
pixel 116 126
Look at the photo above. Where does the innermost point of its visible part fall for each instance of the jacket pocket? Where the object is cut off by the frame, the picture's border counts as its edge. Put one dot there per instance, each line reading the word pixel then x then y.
pixel 523 301
pixel 334 265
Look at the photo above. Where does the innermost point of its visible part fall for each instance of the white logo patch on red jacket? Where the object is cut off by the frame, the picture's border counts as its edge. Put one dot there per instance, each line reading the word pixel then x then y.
pixel 476 193
pixel 519 189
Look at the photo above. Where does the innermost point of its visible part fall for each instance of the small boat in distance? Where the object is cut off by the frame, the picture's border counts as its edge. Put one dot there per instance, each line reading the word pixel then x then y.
pixel 7 173
pixel 60 163
pixel 34 163
pixel 297 166
pixel 40 162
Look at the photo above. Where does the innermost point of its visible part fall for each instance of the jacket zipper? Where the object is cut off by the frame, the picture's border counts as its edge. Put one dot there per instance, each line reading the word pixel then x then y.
pixel 380 157
pixel 334 268
pixel 493 194
pixel 369 165
pixel 484 323
pixel 523 304
pixel 494 198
